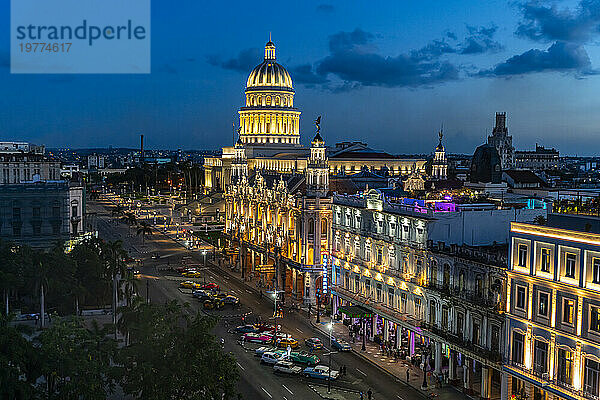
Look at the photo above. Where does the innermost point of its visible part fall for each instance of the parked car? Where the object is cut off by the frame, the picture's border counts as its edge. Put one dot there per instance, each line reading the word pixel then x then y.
pixel 314 343
pixel 188 284
pixel 210 286
pixel 340 345
pixel 264 349
pixel 201 293
pixel 231 300
pixel 286 367
pixel 303 357
pixel 288 341
pixel 210 304
pixel 270 358
pixel 256 338
pixel 193 274
pixel 320 372
pixel 267 327
pixel 246 329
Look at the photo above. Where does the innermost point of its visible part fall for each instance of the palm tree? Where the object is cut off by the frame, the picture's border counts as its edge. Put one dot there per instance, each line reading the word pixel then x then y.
pixel 144 229
pixel 130 219
pixel 115 267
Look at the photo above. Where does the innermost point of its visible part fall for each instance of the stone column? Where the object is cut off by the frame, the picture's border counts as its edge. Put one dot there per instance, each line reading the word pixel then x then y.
pixel 486 383
pixel 411 342
pixel 452 366
pixel 386 331
pixel 373 327
pixel 438 357
pixel 398 343
pixel 467 375
pixel 504 386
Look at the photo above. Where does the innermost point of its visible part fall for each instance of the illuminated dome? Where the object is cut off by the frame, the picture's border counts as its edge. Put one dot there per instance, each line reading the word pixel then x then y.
pixel 269 73
pixel 269 116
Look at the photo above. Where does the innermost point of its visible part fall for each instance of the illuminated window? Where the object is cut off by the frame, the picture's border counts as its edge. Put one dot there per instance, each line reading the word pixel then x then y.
pixel 517 348
pixel 521 301
pixel 545 265
pixel 570 265
pixel 565 366
pixel 403 302
pixel 596 270
pixel 595 319
pixel 568 308
pixel 522 256
pixel 543 304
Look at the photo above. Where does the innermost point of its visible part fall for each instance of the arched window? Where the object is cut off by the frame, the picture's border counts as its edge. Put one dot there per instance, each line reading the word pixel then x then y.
pixel 324 228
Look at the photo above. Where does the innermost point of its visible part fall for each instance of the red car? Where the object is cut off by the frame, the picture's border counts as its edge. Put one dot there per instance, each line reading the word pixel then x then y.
pixel 210 286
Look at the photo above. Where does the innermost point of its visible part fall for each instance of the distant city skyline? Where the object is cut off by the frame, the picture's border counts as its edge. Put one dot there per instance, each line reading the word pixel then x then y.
pixel 389 75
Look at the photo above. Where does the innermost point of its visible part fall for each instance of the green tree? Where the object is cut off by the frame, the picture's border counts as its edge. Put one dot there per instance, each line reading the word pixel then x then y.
pixel 173 356
pixel 130 219
pixel 114 259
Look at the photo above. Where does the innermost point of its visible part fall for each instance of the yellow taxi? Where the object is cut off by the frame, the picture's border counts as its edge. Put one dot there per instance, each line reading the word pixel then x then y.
pixel 192 274
pixel 189 285
pixel 285 342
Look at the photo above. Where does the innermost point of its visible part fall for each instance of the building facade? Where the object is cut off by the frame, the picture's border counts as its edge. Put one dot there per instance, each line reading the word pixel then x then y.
pixel 553 313
pixel 20 167
pixel 538 160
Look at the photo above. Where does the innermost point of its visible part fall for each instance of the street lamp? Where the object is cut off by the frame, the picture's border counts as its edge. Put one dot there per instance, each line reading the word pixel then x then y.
pixel 329 371
pixel 318 302
pixel 204 274
pixel 424 385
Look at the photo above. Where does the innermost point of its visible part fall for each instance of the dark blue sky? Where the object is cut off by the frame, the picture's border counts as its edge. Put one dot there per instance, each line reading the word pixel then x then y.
pixel 387 72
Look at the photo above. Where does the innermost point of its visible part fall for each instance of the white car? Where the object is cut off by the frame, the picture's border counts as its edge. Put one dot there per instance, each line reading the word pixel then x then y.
pixel 264 349
pixel 286 367
pixel 270 357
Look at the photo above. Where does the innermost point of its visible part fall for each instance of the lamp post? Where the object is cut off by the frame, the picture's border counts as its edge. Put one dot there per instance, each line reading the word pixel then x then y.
pixel 204 274
pixel 318 295
pixel 364 334
pixel 424 385
pixel 329 371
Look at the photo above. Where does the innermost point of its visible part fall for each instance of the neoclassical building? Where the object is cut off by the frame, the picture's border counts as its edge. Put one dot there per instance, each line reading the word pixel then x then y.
pixel 269 135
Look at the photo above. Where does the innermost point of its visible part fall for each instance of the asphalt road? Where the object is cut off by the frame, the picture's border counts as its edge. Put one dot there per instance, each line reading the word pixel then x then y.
pixel 257 381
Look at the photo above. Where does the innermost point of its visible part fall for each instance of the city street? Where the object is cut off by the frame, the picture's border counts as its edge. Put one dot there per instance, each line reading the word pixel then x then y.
pixel 257 381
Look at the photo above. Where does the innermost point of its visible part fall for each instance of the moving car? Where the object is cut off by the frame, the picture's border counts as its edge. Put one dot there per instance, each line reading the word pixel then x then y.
pixel 285 342
pixel 246 329
pixel 314 343
pixel 320 372
pixel 270 358
pixel 302 357
pixel 210 286
pixel 286 367
pixel 193 274
pixel 257 338
pixel 201 294
pixel 340 345
pixel 267 327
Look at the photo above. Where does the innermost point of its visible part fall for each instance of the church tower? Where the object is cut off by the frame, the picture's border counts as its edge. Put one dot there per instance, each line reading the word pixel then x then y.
pixel 317 169
pixel 440 163
pixel 502 141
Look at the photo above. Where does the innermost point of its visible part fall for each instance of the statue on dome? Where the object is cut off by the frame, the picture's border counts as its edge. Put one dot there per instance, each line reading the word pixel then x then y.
pixel 318 124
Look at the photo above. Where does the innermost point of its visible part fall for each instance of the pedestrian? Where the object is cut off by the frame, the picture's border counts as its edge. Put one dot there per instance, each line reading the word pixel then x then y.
pixel 407 375
pixel 369 394
pixel 361 396
pixel 261 294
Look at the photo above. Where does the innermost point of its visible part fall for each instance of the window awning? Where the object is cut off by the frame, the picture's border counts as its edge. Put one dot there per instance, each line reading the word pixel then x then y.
pixel 355 311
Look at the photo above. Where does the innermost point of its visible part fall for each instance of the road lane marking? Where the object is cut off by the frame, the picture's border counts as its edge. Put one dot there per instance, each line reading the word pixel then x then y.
pixel 398 396
pixel 285 398
pixel 240 365
pixel 361 372
pixel 286 388
pixel 268 394
pixel 299 330
pixel 248 291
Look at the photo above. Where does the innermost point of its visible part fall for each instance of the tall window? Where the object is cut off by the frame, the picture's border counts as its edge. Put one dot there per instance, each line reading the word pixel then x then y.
pixel 543 304
pixel 595 319
pixel 403 302
pixel 368 287
pixel 522 256
pixel 495 337
pixel 357 248
pixel 540 356
pixel 418 308
pixel 432 313
pixel 476 333
pixel 459 323
pixel 379 256
pixel 565 366
pixel 444 317
pixel 568 308
pixel 570 265
pixel 517 348
pixel 368 252
pixel 520 298
pixel 596 270
pixel 390 297
pixel 378 292
pixel 591 379
pixel 356 283
pixel 545 266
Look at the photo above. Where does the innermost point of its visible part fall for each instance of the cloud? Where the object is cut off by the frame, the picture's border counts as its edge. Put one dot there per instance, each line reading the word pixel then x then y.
pixel 433 50
pixel 560 56
pixel 548 23
pixel 480 40
pixel 325 8
pixel 244 62
pixel 353 59
pixel 304 74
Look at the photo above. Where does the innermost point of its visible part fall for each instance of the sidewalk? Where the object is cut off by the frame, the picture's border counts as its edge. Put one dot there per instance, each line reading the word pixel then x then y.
pixel 397 369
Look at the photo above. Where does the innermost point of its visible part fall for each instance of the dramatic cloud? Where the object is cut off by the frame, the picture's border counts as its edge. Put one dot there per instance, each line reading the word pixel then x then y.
pixel 561 56
pixel 353 60
pixel 480 40
pixel 548 23
pixel 304 74
pixel 244 62
pixel 325 8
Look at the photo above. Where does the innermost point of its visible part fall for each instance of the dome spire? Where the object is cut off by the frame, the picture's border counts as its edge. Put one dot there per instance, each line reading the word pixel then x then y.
pixel 270 49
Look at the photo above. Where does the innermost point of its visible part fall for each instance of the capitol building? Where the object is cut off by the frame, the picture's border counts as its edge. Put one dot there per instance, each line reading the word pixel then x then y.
pixel 269 136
